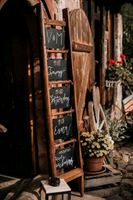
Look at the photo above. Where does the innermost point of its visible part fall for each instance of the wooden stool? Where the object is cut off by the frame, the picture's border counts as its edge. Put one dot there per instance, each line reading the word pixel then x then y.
pixel 62 189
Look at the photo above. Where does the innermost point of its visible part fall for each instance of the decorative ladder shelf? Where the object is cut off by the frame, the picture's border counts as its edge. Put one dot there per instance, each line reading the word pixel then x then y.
pixel 59 99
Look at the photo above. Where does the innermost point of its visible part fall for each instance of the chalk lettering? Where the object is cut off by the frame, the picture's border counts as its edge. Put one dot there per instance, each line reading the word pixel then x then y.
pixel 62 162
pixel 62 130
pixel 58 73
pixel 60 100
pixel 59 38
pixel 55 38
pixel 60 97
pixel 64 158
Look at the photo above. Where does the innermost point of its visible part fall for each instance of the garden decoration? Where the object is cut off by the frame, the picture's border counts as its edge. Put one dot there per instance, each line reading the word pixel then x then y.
pixel 95 145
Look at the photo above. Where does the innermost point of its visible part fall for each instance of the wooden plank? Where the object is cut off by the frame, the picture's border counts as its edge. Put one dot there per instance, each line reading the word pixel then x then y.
pixel 81 47
pixel 102 181
pixel 55 22
pixel 128 181
pixel 108 191
pixel 128 175
pixel 96 98
pixel 104 57
pixel 56 51
pixel 64 143
pixel 61 82
pixel 74 173
pixel 92 123
pixel 63 112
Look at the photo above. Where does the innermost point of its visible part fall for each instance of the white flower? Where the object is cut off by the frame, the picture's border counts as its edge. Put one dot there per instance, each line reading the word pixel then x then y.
pixel 96 143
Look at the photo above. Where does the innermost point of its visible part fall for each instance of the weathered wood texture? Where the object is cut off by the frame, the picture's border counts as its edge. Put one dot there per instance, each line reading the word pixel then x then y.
pixel 110 180
pixel 117 110
pixel 64 154
pixel 97 118
pixel 82 57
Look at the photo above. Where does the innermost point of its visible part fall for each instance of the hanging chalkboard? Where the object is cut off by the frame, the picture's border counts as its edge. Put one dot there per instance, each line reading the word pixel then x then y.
pixel 62 127
pixel 60 97
pixel 65 158
pixel 57 69
pixel 55 38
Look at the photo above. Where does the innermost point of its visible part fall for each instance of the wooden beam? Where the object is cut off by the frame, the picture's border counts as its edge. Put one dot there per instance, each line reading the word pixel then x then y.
pixel 81 47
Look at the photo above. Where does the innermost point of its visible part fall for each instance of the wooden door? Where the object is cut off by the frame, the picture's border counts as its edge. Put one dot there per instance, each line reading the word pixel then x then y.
pixel 82 58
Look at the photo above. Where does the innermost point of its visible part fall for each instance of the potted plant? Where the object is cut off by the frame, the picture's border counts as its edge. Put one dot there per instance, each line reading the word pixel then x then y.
pixel 95 145
pixel 120 70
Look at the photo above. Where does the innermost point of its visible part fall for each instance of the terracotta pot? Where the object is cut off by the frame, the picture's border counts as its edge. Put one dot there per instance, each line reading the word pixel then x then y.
pixel 94 164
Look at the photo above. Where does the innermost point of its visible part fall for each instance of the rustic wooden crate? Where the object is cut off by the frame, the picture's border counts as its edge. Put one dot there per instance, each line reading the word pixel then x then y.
pixel 104 184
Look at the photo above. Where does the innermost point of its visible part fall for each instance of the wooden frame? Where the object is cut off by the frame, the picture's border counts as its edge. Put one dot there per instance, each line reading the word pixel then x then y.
pixel 76 170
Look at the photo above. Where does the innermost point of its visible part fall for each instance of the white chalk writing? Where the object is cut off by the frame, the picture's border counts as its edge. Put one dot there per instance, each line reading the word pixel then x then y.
pixel 65 130
pixel 55 100
pixel 58 73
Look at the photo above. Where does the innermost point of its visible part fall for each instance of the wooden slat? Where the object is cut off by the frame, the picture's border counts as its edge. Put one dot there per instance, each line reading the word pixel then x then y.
pixel 61 82
pixel 64 143
pixel 63 112
pixel 81 47
pixel 102 181
pixel 91 116
pixel 74 173
pixel 56 51
pixel 55 22
pixel 127 181
pixel 104 192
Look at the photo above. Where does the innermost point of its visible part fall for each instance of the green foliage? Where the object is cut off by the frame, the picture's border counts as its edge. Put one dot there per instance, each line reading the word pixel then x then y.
pixel 117 128
pixel 127 13
pixel 123 71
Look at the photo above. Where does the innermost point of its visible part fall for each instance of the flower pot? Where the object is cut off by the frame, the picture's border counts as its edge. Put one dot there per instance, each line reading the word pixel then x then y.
pixel 94 164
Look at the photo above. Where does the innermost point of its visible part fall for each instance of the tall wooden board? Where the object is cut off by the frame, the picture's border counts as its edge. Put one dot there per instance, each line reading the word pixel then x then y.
pixel 82 57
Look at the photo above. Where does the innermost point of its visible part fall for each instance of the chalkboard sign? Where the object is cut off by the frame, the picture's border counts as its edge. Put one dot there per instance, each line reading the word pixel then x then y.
pixel 62 127
pixel 60 97
pixel 55 38
pixel 65 158
pixel 57 69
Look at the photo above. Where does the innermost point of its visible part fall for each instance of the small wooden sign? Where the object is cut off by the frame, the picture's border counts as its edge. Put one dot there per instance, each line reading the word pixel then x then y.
pixel 62 127
pixel 60 97
pixel 57 69
pixel 65 158
pixel 55 38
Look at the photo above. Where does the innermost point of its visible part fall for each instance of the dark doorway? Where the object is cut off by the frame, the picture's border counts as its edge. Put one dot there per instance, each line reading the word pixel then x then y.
pixel 15 145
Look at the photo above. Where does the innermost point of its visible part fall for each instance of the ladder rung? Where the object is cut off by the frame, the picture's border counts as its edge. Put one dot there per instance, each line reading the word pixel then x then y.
pixel 64 143
pixel 57 51
pixel 72 174
pixel 55 22
pixel 61 82
pixel 63 112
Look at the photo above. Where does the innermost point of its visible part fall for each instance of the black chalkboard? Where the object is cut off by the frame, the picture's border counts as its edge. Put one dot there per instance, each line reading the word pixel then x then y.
pixel 65 158
pixel 60 97
pixel 57 69
pixel 62 127
pixel 55 38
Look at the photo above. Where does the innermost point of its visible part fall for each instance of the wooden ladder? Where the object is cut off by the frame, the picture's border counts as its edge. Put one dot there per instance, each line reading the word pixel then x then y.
pixel 60 114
